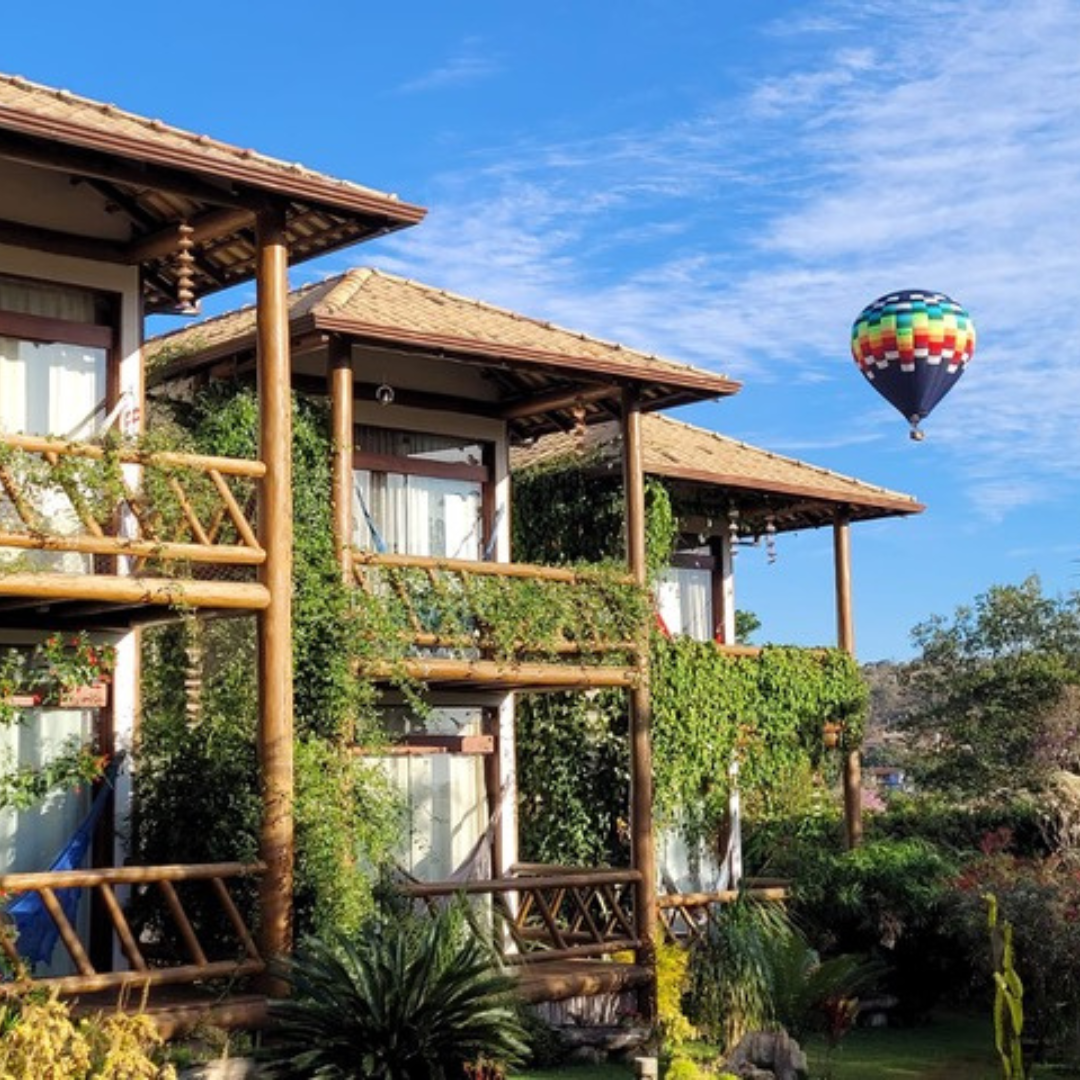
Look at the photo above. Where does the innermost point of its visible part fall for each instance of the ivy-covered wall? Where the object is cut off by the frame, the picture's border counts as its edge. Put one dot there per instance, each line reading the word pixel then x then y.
pixel 197 796
pixel 709 708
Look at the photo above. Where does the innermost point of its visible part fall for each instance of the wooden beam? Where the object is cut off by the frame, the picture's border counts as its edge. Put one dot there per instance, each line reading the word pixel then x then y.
pixel 340 379
pixel 556 400
pixel 532 675
pixel 45 588
pixel 55 242
pixel 206 226
pixel 122 201
pixel 642 842
pixel 56 156
pixel 845 639
pixel 275 736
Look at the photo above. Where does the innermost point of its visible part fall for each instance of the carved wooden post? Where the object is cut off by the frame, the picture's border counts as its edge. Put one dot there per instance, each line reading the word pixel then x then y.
pixel 275 738
pixel 845 639
pixel 641 779
pixel 340 377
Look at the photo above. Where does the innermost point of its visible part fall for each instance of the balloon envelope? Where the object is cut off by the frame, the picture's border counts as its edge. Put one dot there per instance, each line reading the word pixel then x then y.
pixel 912 346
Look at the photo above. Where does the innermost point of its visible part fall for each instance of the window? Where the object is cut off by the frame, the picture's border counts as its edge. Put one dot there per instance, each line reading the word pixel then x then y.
pixel 419 494
pixel 55 342
pixel 684 594
pixel 444 795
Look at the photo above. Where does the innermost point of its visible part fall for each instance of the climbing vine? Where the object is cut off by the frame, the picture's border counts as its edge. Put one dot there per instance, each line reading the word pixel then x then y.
pixel 41 677
pixel 710 709
pixel 197 792
pixel 765 712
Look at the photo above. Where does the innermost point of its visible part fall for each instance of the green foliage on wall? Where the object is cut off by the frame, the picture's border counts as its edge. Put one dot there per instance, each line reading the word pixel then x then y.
pixel 573 778
pixel 764 712
pixel 709 709
pixel 197 784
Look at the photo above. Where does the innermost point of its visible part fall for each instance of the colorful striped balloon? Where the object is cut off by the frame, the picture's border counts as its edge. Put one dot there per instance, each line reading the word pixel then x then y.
pixel 912 346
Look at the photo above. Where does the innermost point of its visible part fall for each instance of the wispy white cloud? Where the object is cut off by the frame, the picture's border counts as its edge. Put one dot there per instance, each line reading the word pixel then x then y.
pixel 937 147
pixel 470 65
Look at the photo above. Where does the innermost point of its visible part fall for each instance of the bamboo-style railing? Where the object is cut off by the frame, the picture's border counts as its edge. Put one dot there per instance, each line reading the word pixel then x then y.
pixel 565 915
pixel 685 917
pixel 159 510
pixel 454 631
pixel 170 883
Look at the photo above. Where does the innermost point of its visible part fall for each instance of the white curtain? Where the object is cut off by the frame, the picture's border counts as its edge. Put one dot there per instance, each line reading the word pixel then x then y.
pixel 31 839
pixel 417 515
pixel 444 796
pixel 684 596
pixel 49 388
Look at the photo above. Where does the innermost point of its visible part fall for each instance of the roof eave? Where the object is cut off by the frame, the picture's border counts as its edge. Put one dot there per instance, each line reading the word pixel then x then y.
pixel 306 187
pixel 694 385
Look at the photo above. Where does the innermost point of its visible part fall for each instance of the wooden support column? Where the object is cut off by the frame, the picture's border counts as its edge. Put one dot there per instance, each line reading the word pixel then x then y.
pixel 723 590
pixel 340 378
pixel 845 639
pixel 642 842
pixel 275 737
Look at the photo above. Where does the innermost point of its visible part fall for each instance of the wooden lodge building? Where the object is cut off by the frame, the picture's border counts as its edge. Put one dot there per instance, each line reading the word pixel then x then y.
pixel 106 217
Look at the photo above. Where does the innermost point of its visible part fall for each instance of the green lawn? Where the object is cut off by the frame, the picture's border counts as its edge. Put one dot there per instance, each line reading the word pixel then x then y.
pixel 949 1048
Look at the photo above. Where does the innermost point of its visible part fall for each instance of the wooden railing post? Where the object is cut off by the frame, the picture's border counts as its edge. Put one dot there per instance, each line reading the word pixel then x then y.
pixel 845 639
pixel 646 910
pixel 340 377
pixel 275 738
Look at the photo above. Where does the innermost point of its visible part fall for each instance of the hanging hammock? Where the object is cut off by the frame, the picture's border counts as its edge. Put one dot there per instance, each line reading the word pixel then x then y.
pixel 37 932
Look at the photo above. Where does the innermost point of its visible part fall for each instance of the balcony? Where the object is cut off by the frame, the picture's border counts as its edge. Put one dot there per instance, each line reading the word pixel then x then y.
pixel 181 983
pixel 460 623
pixel 105 537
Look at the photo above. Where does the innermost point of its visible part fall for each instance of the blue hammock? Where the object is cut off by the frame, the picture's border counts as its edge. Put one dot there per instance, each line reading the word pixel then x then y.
pixel 38 934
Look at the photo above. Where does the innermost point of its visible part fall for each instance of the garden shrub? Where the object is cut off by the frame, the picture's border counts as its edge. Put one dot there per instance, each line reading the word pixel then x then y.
pixel 40 1039
pixel 886 899
pixel 403 998
pixel 1041 899
pixel 959 828
pixel 754 970
pixel 672 983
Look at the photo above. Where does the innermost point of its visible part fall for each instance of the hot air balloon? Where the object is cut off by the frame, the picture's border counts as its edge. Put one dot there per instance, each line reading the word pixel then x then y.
pixel 912 346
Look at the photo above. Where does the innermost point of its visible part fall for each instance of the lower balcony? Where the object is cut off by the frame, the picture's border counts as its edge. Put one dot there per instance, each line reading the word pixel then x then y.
pixel 562 932
pixel 457 623
pixel 139 943
pixel 107 537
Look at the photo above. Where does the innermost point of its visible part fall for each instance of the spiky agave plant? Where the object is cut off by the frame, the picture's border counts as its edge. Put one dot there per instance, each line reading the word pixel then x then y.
pixel 405 998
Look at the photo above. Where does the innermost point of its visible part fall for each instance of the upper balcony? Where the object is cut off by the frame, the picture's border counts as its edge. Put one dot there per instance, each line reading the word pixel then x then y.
pixel 456 622
pixel 107 536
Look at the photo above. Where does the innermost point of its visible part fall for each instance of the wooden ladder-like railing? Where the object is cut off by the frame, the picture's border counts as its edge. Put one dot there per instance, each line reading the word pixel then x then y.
pixel 551 916
pixel 143 970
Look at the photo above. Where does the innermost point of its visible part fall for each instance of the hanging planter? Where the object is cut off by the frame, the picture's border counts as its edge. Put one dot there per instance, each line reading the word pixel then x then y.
pixel 59 673
pixel 91 696
pixel 830 735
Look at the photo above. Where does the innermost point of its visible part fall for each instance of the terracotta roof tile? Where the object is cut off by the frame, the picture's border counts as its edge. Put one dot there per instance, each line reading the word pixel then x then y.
pixel 681 451
pixel 33 109
pixel 375 305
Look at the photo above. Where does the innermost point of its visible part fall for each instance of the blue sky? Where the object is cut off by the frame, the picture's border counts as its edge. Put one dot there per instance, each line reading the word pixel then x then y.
pixel 723 183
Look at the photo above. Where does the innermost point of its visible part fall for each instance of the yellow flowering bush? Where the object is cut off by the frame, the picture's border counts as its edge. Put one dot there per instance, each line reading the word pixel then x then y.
pixel 40 1040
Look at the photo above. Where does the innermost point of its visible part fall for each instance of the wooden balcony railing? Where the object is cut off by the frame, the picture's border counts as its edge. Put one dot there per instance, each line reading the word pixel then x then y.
pixel 172 885
pixel 490 622
pixel 564 915
pixel 85 499
pixel 119 525
pixel 685 917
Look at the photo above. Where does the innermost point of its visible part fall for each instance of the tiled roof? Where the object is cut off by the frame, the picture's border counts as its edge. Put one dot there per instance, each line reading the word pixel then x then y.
pixel 375 307
pixel 143 184
pixel 682 452
pixel 59 114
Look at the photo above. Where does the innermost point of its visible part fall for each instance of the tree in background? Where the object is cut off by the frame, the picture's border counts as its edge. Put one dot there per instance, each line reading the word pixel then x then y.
pixel 995 704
